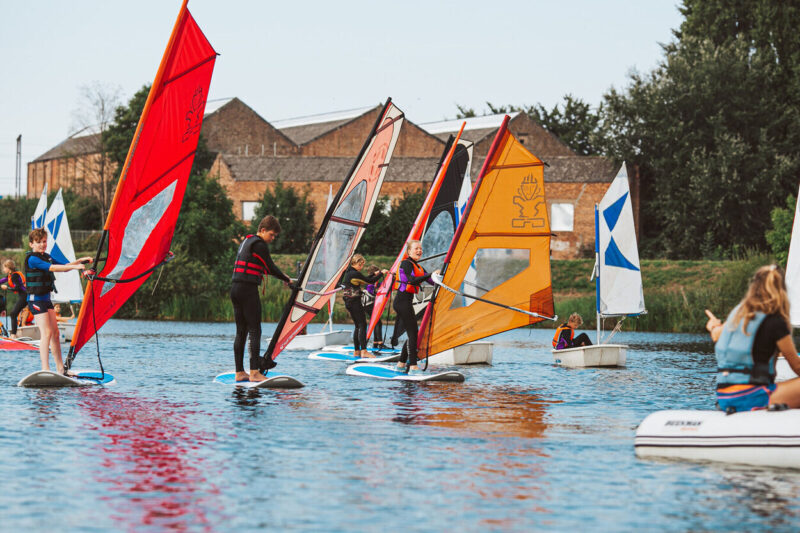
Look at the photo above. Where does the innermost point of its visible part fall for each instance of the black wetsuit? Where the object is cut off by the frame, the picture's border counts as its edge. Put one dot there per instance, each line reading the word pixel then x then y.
pixel 404 306
pixel 252 262
pixel 22 298
pixel 353 280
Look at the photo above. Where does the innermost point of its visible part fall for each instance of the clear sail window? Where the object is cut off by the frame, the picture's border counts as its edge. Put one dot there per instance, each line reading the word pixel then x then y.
pixel 562 217
pixel 490 268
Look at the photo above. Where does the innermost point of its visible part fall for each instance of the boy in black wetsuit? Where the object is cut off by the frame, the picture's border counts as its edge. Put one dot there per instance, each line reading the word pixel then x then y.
pixel 353 281
pixel 252 262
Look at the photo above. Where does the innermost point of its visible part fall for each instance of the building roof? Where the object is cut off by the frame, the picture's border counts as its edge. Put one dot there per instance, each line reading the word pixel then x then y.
pixel 213 105
pixel 580 169
pixel 333 169
pixel 476 129
pixel 72 146
pixel 303 130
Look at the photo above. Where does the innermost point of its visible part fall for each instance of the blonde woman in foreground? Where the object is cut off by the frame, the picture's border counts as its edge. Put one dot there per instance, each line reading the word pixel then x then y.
pixel 748 343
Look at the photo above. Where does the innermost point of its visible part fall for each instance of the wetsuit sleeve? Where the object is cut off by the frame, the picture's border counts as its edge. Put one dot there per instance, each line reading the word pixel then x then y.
pixel 4 280
pixel 37 264
pixel 261 253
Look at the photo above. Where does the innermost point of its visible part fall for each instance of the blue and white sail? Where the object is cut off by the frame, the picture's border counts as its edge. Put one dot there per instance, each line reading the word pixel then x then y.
pixel 59 246
pixel 793 268
pixel 37 220
pixel 619 278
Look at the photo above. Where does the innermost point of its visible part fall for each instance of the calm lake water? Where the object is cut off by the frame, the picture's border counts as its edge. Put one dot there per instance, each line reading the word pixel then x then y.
pixel 520 445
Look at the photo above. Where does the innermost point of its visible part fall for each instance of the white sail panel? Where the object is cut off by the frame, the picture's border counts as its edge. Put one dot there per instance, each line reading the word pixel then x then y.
pixel 59 246
pixel 37 220
pixel 620 282
pixel 793 268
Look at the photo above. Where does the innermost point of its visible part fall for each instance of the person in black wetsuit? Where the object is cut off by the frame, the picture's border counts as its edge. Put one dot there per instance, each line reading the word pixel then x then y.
pixel 368 302
pixel 353 281
pixel 252 262
pixel 14 281
pixel 409 277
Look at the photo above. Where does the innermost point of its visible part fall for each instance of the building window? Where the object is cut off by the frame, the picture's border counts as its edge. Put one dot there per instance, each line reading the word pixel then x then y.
pixel 249 210
pixel 562 217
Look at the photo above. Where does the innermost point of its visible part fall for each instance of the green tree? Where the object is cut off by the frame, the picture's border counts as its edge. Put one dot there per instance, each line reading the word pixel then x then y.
pixel 402 216
pixel 294 211
pixel 574 123
pixel 714 129
pixel 780 235
pixel 15 221
pixel 374 241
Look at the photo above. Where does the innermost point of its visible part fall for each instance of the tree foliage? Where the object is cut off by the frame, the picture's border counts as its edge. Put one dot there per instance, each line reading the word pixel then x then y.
pixel 294 211
pixel 387 232
pixel 714 129
pixel 780 235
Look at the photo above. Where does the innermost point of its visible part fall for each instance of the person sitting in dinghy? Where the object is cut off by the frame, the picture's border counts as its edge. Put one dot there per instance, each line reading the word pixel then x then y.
pixel 353 281
pixel 40 282
pixel 252 262
pixel 409 277
pixel 565 334
pixel 748 343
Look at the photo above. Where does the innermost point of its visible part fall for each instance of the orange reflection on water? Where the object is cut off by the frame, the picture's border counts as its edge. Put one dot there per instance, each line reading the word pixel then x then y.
pixel 151 467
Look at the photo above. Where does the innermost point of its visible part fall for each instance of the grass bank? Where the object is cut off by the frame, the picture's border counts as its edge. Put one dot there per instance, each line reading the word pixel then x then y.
pixel 675 293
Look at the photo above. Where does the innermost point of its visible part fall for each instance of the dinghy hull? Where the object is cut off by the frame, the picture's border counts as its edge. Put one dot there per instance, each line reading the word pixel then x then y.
pixel 590 356
pixel 473 353
pixel 761 438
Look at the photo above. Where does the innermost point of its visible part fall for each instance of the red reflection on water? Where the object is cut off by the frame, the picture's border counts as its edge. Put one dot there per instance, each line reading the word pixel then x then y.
pixel 155 477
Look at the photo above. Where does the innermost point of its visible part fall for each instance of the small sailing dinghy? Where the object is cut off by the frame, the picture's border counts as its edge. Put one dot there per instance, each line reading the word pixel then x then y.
pixel 762 438
pixel 141 220
pixel 496 274
pixel 340 232
pixel 618 278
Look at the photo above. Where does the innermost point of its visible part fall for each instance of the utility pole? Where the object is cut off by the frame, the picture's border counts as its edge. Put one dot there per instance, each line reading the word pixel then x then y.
pixel 18 175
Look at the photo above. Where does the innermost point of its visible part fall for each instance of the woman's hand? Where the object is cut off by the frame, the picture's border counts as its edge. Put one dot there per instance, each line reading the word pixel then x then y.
pixel 4 287
pixel 384 271
pixel 713 326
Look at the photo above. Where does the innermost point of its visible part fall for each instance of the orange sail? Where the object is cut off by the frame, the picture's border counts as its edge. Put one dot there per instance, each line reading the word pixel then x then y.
pixel 141 221
pixel 505 236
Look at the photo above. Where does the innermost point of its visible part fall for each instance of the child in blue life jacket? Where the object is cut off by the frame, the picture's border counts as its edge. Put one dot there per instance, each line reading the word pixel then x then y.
pixel 565 334
pixel 40 281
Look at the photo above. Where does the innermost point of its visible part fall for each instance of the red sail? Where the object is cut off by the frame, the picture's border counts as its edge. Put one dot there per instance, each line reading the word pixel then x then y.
pixel 142 217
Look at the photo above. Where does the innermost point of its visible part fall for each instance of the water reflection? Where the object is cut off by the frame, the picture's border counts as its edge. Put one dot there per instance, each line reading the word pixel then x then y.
pixel 151 459
pixel 766 492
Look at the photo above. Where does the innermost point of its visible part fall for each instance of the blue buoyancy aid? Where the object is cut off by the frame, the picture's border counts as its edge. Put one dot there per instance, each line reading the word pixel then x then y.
pixel 734 351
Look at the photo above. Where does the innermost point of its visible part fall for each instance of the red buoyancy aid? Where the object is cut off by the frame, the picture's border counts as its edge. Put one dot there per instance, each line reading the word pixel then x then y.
pixel 249 266
pixel 402 286
pixel 557 336
pixel 12 285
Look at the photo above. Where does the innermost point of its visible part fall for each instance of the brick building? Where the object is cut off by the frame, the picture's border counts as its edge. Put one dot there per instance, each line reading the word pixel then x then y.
pixel 316 152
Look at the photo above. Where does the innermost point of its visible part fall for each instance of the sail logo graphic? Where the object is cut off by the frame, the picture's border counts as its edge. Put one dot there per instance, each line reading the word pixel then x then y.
pixel 194 116
pixel 377 163
pixel 530 205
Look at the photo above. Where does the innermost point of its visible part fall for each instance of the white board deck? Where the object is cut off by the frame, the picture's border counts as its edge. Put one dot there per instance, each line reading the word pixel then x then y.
pixel 345 357
pixel 349 348
pixel 389 372
pixel 763 438
pixel 84 378
pixel 591 356
pixel 277 381
pixel 317 341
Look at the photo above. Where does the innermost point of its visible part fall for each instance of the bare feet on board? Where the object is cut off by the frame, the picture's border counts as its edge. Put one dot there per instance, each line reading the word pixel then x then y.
pixel 242 376
pixel 256 376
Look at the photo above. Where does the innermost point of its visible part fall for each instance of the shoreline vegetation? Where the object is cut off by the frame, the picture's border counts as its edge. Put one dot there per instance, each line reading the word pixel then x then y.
pixel 675 292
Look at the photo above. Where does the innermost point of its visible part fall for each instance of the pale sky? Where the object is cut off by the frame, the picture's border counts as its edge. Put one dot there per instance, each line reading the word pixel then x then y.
pixel 288 59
